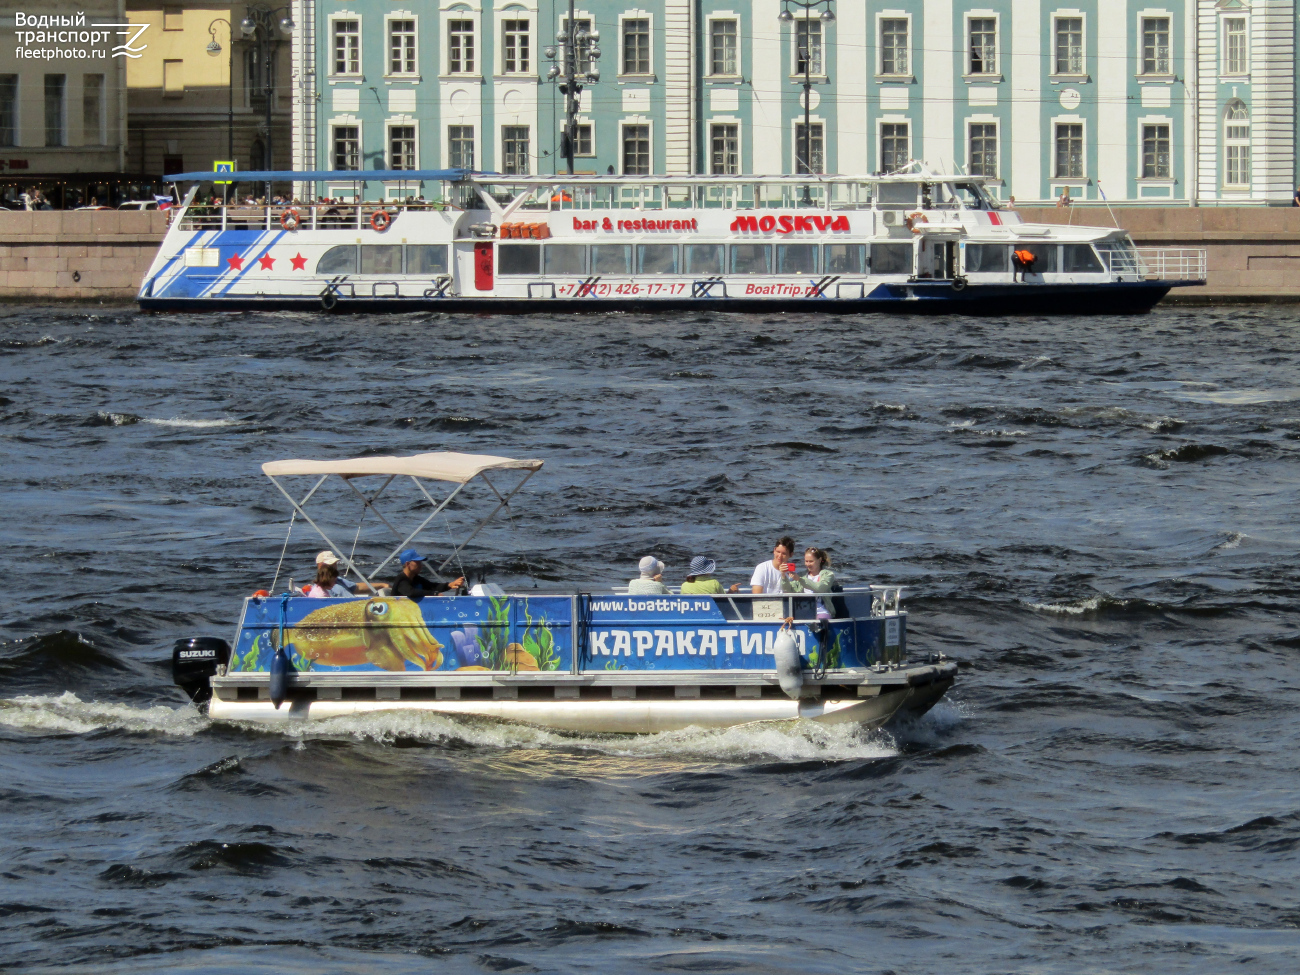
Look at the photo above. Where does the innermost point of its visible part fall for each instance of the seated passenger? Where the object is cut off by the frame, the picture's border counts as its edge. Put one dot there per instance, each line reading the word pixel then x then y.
pixel 699 580
pixel 411 583
pixel 776 576
pixel 329 558
pixel 820 578
pixel 651 581
pixel 327 585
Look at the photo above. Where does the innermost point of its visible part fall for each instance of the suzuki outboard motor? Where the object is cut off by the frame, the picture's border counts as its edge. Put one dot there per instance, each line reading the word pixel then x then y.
pixel 195 661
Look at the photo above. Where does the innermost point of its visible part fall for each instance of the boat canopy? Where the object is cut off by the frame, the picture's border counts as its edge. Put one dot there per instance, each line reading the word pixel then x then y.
pixel 448 466
pixel 438 466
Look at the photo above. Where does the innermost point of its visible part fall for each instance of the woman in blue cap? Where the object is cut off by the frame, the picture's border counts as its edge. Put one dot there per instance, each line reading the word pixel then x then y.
pixel 411 583
pixel 699 580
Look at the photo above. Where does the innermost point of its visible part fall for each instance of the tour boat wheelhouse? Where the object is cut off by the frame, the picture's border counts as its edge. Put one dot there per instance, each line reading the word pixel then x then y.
pixel 906 241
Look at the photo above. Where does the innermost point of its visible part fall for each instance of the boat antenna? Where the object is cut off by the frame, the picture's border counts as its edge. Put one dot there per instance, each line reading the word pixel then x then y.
pixel 1107 202
pixel 283 550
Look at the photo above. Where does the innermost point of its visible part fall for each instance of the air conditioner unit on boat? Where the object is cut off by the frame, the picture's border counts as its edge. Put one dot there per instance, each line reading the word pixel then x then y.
pixel 892 218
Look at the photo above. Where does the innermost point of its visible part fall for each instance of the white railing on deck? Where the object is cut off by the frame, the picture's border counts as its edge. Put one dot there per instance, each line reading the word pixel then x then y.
pixel 1173 263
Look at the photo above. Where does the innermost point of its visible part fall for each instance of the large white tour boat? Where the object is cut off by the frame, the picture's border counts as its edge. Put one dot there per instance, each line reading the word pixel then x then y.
pixel 604 661
pixel 907 241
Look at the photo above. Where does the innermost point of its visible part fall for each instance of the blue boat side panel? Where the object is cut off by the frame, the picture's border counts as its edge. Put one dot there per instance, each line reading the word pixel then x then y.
pixel 380 634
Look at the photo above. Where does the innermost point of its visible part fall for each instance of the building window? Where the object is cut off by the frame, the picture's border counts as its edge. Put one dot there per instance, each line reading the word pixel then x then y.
pixel 1155 152
pixel 259 75
pixel 460 46
pixel 1234 45
pixel 582 49
pixel 1069 150
pixel 983 149
pixel 92 110
pixel 347 147
pixel 636 150
pixel 460 146
pixel 55 109
pixel 722 48
pixel 1236 138
pixel 173 79
pixel 983 45
pixel 8 110
pixel 893 46
pixel 894 150
pixel 515 60
pixel 812 149
pixel 173 18
pixel 808 47
pixel 514 150
pixel 347 47
pixel 1069 45
pixel 636 46
pixel 401 147
pixel 724 154
pixel 401 47
pixel 1155 45
pixel 582 142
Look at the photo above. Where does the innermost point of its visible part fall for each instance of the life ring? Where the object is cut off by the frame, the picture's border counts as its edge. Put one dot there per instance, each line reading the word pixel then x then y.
pixel 380 220
pixel 290 220
pixel 328 299
pixel 915 220
pixel 958 284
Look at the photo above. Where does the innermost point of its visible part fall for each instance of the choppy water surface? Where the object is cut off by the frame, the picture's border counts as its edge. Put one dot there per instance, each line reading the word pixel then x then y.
pixel 1097 517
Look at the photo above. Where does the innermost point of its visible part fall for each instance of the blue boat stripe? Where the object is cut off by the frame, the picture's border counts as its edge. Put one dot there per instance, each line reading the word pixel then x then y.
pixel 248 260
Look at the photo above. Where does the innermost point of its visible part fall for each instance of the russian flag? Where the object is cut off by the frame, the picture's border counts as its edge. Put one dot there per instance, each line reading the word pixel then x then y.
pixel 164 202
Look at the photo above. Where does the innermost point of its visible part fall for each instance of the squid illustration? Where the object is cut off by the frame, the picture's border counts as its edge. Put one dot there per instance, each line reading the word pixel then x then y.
pixel 385 632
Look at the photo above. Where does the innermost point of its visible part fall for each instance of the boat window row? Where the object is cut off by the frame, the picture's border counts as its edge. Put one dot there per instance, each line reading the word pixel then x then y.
pixel 697 259
pixel 384 259
pixel 1048 258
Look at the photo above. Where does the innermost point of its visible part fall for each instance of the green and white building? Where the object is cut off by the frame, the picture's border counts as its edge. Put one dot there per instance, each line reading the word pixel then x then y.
pixel 1186 101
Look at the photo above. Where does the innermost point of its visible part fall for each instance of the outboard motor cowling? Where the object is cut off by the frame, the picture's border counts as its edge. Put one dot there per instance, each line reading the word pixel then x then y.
pixel 195 662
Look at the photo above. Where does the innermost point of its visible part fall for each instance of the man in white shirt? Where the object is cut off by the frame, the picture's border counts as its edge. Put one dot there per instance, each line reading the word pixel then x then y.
pixel 772 577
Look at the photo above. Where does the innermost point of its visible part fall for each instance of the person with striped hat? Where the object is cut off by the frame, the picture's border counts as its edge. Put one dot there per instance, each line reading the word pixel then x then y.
pixel 699 578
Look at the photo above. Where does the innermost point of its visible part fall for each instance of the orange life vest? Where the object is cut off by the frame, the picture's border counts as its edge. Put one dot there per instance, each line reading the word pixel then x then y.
pixel 1026 258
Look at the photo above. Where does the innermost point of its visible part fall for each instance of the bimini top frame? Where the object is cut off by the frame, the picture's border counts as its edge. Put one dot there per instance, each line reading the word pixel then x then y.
pixel 445 466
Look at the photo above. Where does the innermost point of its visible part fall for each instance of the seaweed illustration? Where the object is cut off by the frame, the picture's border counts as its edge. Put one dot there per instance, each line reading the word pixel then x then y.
pixel 492 644
pixel 832 655
pixel 541 645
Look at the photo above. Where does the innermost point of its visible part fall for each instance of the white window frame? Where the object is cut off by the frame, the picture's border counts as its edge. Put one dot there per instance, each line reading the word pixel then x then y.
pixel 1082 17
pixel 647 75
pixel 635 120
pixel 361 44
pixel 388 45
pixel 474 17
pixel 580 17
pixel 996 73
pixel 814 119
pixel 740 138
pixel 513 13
pixel 476 142
pixel 591 124
pixel 1248 143
pixel 403 121
pixel 997 140
pixel 501 143
pixel 351 121
pixel 809 16
pixel 724 15
pixel 884 120
pixel 1142 123
pixel 1224 17
pixel 879 46
pixel 1079 120
pixel 1140 46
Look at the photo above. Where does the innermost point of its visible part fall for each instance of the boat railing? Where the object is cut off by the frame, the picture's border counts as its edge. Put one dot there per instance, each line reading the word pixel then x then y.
pixel 1173 263
pixel 305 216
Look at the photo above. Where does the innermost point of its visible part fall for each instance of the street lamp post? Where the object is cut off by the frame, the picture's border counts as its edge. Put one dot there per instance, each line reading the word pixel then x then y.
pixel 214 48
pixel 260 24
pixel 574 75
pixel 827 15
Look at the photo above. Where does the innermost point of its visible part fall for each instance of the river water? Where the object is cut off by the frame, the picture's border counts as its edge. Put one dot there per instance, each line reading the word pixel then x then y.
pixel 1096 515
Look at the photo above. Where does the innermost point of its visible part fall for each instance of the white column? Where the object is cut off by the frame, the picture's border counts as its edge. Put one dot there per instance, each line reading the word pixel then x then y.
pixel 1273 104
pixel 679 90
pixel 767 86
pixel 853 38
pixel 1029 133
pixel 938 87
pixel 1115 67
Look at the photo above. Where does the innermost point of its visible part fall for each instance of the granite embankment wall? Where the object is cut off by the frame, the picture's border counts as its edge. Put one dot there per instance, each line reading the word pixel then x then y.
pixel 1254 252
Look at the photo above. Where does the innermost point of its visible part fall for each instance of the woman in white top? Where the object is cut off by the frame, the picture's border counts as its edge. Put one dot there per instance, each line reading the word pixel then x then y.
pixel 650 582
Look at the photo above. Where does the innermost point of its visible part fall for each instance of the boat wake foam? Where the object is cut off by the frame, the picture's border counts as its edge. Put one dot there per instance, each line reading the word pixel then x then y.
pixel 67 714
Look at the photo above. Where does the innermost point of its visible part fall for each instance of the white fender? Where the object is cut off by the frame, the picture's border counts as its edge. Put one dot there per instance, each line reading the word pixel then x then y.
pixel 789 666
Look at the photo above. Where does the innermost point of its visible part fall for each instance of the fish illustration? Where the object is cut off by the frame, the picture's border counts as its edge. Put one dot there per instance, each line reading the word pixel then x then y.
pixel 385 632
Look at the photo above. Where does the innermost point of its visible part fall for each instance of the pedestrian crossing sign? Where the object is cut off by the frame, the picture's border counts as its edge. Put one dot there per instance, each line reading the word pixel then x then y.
pixel 223 167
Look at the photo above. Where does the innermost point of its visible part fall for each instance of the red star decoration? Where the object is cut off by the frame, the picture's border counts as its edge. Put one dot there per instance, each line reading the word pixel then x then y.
pixel 236 262
pixel 266 260
pixel 299 263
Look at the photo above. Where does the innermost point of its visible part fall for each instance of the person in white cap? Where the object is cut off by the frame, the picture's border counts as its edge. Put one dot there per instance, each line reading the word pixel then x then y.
pixel 352 586
pixel 650 582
